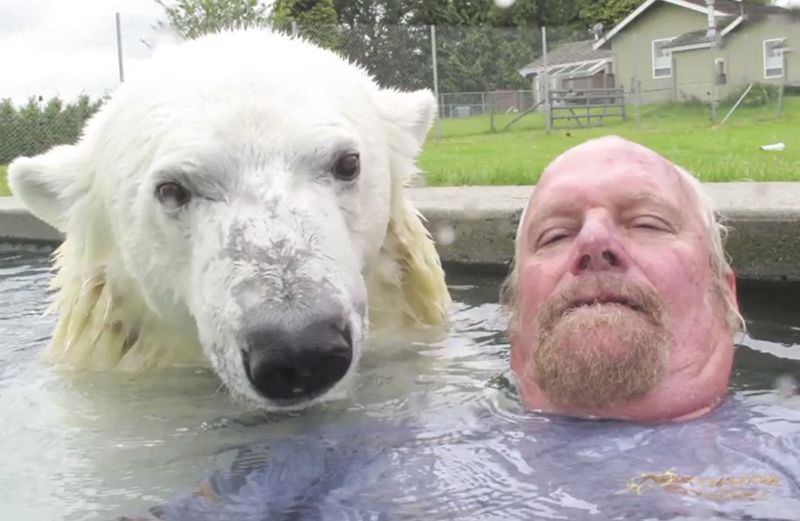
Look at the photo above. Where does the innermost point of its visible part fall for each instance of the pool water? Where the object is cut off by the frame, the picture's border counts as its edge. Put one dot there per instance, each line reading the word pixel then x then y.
pixel 429 431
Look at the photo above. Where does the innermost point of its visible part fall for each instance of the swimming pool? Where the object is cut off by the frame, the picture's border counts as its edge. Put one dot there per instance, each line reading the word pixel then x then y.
pixel 430 431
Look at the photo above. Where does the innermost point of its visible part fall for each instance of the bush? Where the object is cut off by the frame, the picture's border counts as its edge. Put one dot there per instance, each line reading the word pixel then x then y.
pixel 791 90
pixel 761 94
pixel 37 126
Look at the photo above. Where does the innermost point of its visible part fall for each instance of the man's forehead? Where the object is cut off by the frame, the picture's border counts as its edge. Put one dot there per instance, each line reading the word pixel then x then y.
pixel 610 164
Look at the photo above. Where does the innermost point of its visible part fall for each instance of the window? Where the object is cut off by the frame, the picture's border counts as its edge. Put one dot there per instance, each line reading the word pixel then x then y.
pixel 773 58
pixel 662 59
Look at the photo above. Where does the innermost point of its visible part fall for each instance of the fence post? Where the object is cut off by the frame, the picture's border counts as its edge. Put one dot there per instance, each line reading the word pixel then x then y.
pixel 547 109
pixel 438 132
pixel 491 110
pixel 713 78
pixel 636 84
pixel 119 48
pixel 674 77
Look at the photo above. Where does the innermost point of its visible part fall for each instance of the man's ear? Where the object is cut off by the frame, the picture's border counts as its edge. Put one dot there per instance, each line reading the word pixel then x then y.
pixel 414 111
pixel 49 184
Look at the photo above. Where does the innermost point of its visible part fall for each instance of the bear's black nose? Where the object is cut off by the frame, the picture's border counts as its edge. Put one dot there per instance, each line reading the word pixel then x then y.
pixel 291 366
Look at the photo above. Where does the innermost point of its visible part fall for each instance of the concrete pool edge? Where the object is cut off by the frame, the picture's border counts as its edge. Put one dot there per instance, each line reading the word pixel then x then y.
pixel 475 226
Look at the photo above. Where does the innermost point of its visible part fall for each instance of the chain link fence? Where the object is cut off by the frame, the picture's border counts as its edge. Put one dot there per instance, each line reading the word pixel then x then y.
pixel 486 79
pixel 61 73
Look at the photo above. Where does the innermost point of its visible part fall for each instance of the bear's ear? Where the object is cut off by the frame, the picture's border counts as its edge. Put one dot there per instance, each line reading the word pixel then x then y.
pixel 49 184
pixel 412 111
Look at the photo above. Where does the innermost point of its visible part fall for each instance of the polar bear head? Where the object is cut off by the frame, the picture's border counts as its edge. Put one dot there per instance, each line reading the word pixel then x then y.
pixel 241 199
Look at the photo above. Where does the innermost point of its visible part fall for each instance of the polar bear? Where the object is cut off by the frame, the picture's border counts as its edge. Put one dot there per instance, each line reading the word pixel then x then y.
pixel 240 202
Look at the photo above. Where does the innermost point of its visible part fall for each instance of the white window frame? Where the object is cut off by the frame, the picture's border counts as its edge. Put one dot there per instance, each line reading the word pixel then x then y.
pixel 653 58
pixel 764 58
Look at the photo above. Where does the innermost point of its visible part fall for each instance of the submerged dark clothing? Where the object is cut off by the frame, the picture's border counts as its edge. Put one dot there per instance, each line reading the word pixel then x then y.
pixel 741 461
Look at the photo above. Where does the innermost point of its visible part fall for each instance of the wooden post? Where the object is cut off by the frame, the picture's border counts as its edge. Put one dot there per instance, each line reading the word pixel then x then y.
pixel 638 104
pixel 547 108
pixel 636 84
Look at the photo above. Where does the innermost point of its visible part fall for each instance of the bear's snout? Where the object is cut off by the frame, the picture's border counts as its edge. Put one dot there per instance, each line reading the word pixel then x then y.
pixel 292 366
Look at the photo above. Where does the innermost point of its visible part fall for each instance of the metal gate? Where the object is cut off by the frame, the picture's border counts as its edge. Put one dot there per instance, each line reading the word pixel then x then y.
pixel 585 107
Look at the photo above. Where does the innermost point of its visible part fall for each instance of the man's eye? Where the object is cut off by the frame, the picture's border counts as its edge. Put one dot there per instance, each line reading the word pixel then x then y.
pixel 650 223
pixel 550 238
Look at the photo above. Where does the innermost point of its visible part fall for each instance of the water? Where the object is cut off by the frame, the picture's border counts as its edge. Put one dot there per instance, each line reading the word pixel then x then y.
pixel 429 431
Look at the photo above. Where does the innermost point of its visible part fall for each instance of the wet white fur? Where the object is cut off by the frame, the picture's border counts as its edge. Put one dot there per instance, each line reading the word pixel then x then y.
pixel 254 120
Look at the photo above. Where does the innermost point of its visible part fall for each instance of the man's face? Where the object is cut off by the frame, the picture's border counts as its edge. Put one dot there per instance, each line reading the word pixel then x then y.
pixel 618 304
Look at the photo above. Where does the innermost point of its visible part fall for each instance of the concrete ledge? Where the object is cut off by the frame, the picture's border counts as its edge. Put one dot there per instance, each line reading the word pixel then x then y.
pixel 18 225
pixel 475 226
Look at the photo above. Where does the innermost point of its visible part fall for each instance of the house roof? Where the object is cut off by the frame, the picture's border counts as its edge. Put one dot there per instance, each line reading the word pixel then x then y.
pixel 690 38
pixel 581 54
pixel 737 7
pixel 724 10
pixel 699 39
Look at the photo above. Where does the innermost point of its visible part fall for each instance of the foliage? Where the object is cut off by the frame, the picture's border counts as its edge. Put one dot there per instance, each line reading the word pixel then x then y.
pixel 523 13
pixel 3 182
pixel 36 126
pixel 480 46
pixel 314 19
pixel 192 18
pixel 791 90
pixel 607 12
pixel 760 94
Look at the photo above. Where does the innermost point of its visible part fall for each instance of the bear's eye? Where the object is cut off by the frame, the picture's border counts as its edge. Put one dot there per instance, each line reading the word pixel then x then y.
pixel 172 195
pixel 347 167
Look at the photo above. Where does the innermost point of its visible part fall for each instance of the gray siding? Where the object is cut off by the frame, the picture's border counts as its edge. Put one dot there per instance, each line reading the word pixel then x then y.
pixel 632 47
pixel 743 54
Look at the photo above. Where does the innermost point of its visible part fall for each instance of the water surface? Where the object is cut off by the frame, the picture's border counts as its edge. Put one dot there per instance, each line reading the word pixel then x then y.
pixel 428 432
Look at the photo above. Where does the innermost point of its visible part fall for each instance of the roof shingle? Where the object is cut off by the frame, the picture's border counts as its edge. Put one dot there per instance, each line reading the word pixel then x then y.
pixel 570 53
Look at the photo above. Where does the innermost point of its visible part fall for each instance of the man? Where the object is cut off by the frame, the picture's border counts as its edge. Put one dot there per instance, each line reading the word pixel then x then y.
pixel 623 304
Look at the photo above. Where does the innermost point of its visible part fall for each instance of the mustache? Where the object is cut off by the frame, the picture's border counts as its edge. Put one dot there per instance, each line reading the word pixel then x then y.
pixel 604 288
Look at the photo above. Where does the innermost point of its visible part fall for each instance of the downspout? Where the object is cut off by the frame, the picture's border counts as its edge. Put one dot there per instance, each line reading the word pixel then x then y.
pixel 711 34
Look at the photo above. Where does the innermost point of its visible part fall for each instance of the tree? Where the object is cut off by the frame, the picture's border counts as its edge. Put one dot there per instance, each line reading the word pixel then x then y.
pixel 607 12
pixel 192 18
pixel 314 19
pixel 38 125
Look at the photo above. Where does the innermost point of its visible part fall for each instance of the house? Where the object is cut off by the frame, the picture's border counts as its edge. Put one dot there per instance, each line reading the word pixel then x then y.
pixel 576 65
pixel 696 49
pixel 701 49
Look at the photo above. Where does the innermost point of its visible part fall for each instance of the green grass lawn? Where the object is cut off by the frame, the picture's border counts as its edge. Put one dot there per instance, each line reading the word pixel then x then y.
pixel 466 153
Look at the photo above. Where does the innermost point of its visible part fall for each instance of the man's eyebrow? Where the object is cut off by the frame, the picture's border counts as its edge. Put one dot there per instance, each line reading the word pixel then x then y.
pixel 562 209
pixel 633 200
pixel 559 208
pixel 671 211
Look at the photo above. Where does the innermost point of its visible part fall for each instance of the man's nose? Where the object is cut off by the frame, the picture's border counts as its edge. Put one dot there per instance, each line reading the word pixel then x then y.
pixel 598 249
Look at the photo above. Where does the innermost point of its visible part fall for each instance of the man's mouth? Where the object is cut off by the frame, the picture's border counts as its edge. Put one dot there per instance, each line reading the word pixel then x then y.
pixel 603 300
